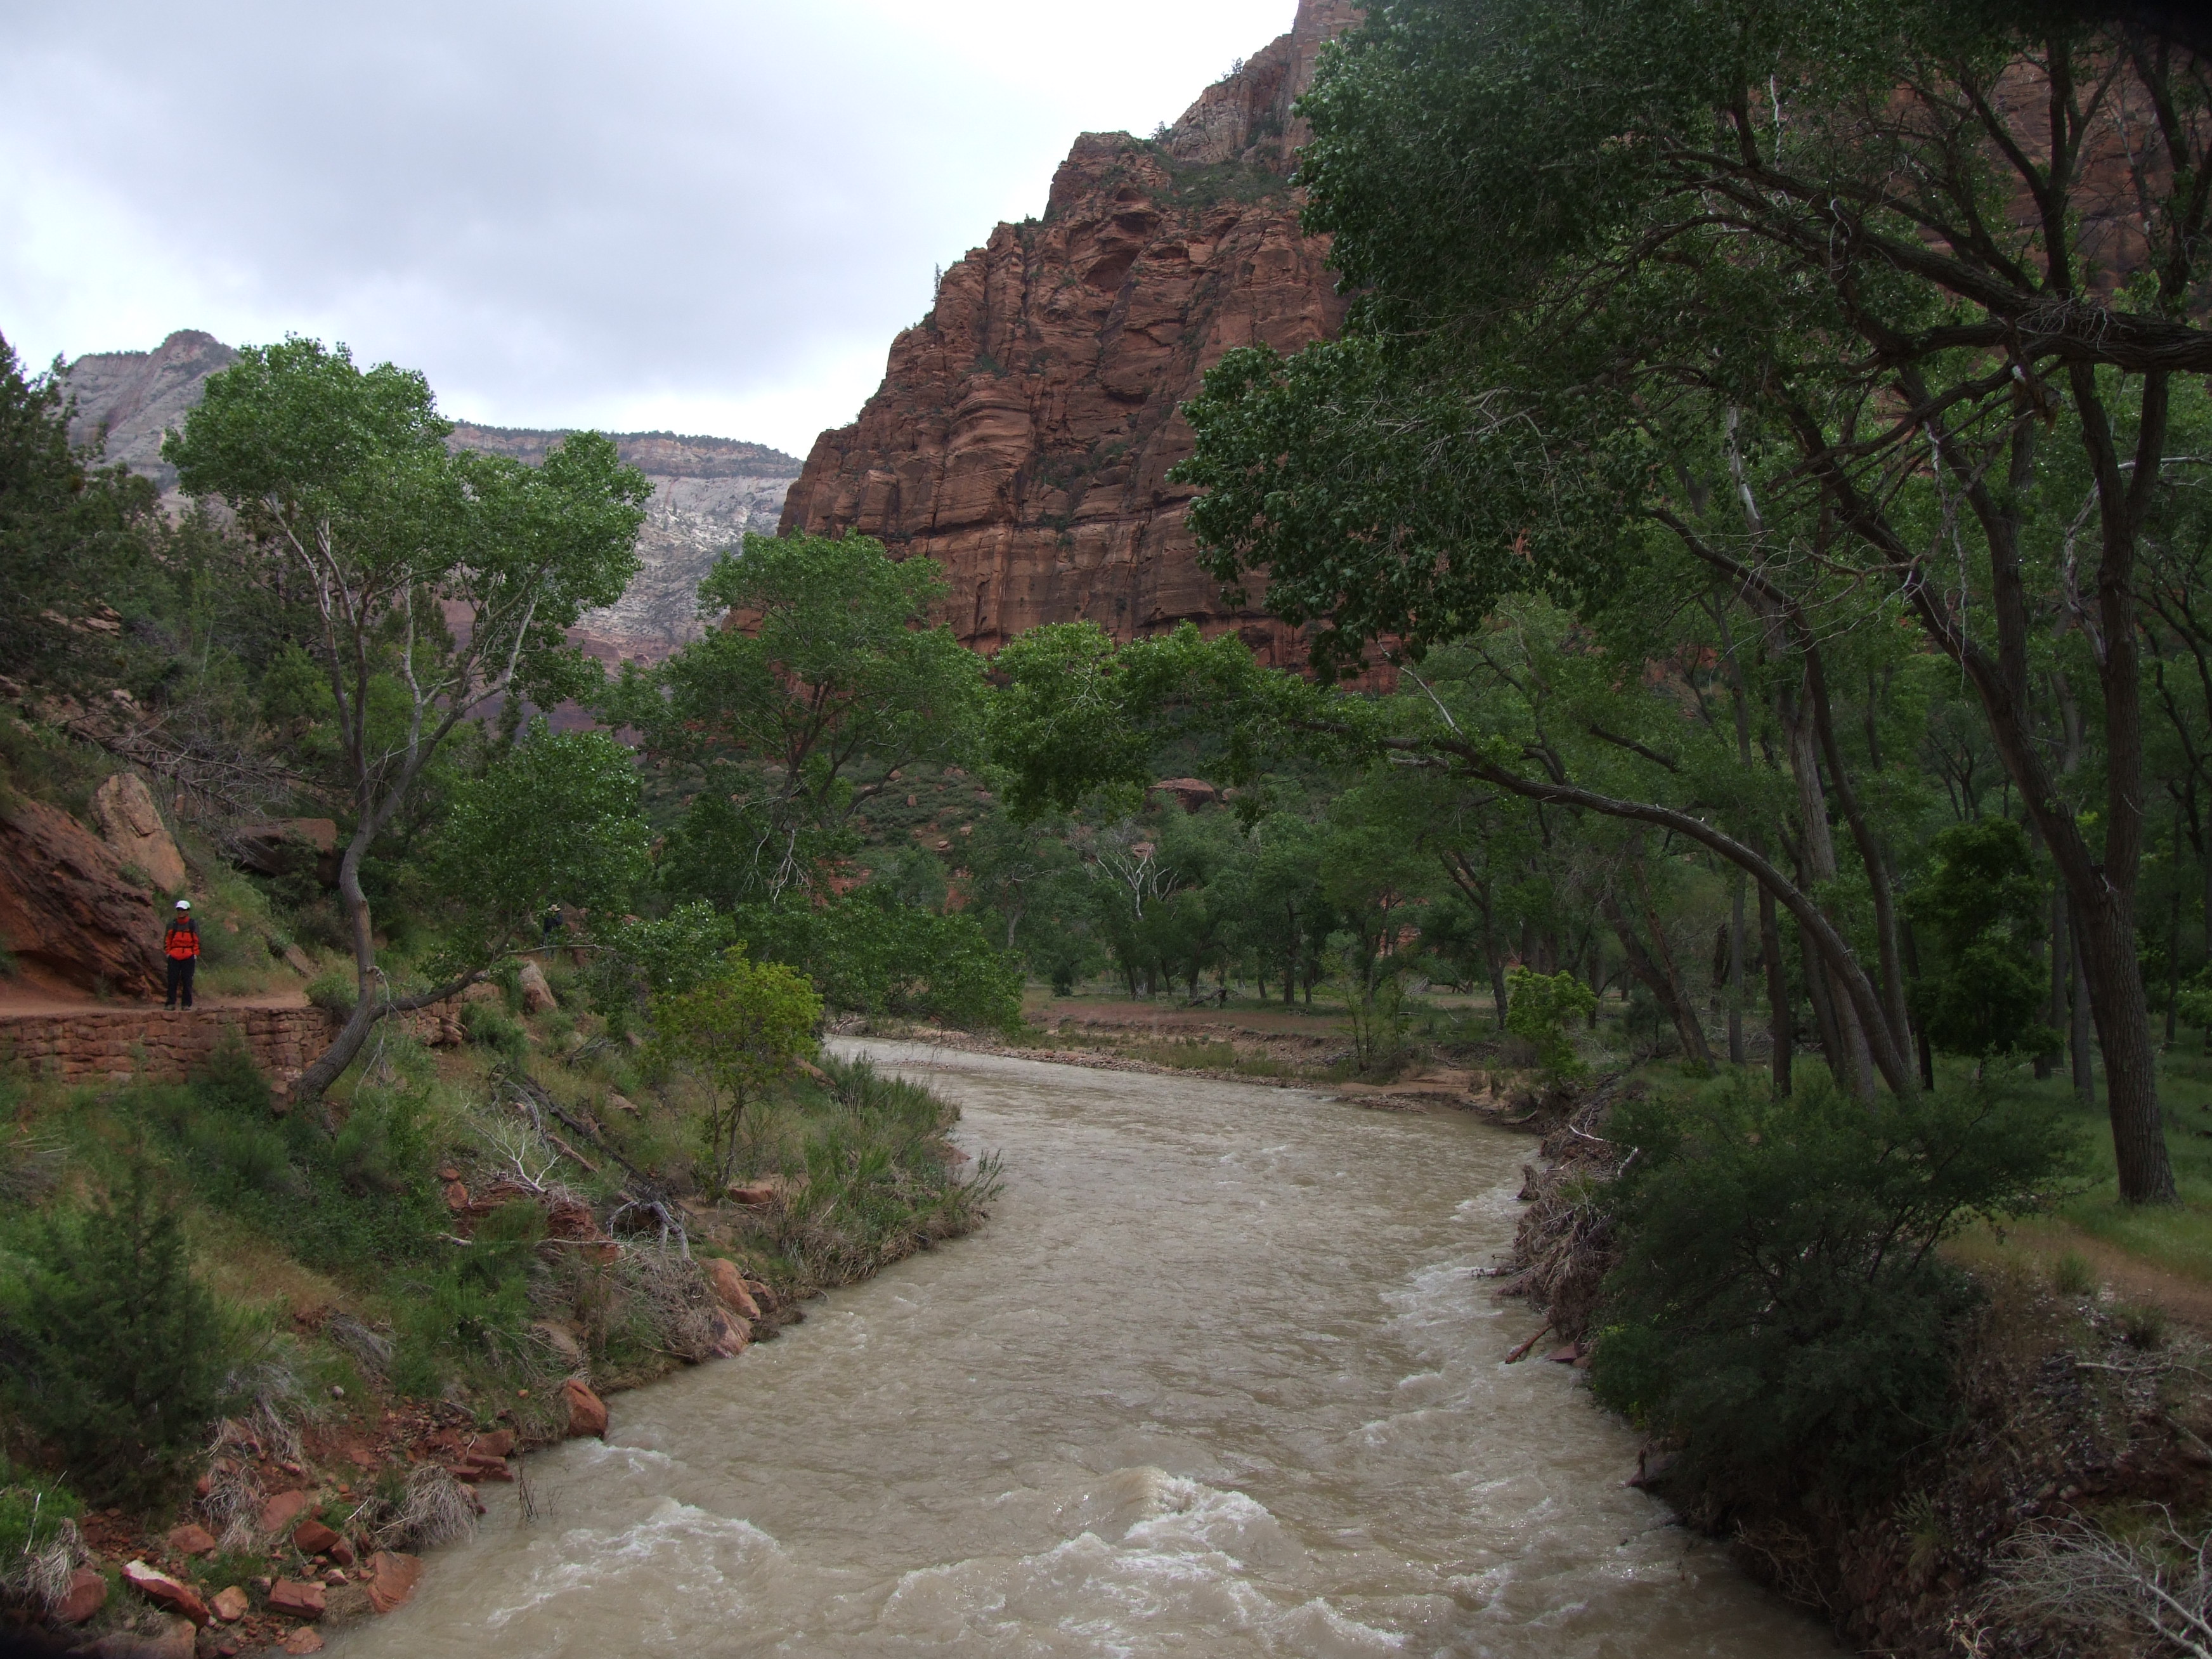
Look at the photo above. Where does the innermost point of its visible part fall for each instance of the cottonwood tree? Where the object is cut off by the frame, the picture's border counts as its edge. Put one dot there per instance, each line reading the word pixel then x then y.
pixel 441 581
pixel 827 678
pixel 1879 311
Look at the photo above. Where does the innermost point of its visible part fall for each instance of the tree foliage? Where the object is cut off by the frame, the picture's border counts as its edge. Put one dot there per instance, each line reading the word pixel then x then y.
pixel 739 1030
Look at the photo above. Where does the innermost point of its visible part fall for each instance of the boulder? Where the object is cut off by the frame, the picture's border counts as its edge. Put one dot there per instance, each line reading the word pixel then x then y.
pixel 65 905
pixel 230 1604
pixel 537 995
pixel 729 1287
pixel 753 1194
pixel 500 1442
pixel 314 1538
pixel 732 1334
pixel 621 1103
pixel 587 1412
pixel 306 1639
pixel 282 1510
pixel 85 1595
pixel 391 1579
pixel 297 1598
pixel 132 824
pixel 165 1592
pixel 191 1540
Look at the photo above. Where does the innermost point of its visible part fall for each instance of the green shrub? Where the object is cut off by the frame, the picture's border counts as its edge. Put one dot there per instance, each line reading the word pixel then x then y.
pixel 1780 1312
pixel 1537 1009
pixel 113 1348
pixel 335 990
pixel 491 1025
pixel 31 1511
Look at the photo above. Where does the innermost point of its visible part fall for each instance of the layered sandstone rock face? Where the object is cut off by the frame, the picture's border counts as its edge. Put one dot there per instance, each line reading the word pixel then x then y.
pixel 1024 432
pixel 706 492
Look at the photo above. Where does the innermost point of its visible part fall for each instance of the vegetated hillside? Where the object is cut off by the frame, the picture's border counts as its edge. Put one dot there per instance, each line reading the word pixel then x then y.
pixel 707 492
pixel 1024 432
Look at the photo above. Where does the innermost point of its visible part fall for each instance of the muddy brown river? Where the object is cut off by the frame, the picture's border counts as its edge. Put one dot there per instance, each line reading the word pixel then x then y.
pixel 1219 1377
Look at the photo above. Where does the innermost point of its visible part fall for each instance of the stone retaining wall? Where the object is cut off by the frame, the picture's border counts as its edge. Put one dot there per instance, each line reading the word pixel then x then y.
pixel 163 1045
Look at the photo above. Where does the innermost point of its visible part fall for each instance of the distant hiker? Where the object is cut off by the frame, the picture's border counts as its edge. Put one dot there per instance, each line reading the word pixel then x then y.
pixel 554 924
pixel 181 944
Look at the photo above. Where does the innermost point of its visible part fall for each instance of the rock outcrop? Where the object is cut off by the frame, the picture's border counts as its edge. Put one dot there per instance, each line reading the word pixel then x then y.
pixel 706 492
pixel 67 907
pixel 132 824
pixel 1023 431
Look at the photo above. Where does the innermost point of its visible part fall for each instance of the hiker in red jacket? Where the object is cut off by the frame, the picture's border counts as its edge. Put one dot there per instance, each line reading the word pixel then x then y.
pixel 181 944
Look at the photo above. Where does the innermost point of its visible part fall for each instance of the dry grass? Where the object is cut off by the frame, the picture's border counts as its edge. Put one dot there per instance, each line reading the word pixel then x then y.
pixel 2148 1592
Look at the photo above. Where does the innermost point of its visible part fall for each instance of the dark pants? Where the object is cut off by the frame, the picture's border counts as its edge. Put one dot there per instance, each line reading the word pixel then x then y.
pixel 180 979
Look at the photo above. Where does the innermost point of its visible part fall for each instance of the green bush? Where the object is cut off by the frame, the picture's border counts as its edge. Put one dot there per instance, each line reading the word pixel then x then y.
pixel 1780 1312
pixel 491 1025
pixel 335 1201
pixel 31 1511
pixel 1537 1009
pixel 113 1348
pixel 335 990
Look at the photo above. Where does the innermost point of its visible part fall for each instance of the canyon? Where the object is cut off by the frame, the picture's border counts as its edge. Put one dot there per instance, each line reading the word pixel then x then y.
pixel 1025 430
pixel 708 493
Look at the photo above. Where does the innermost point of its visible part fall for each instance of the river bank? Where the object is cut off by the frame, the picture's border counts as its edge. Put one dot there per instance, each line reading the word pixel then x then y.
pixel 557 1263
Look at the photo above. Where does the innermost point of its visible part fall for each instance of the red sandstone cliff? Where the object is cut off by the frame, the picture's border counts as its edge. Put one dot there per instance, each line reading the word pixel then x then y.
pixel 1024 432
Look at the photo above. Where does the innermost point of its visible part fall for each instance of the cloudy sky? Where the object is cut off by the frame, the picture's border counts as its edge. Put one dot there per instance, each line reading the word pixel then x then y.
pixel 710 217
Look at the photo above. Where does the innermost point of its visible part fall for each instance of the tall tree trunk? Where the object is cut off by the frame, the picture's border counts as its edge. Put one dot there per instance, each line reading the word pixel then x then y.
pixel 1735 970
pixel 1778 1022
pixel 1841 1034
pixel 1662 982
pixel 2085 1077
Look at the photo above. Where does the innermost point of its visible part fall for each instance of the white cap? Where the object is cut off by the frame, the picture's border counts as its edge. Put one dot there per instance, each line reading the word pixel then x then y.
pixel 184 904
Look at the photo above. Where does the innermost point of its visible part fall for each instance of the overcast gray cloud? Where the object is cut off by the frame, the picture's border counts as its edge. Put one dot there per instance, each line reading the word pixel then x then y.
pixel 710 217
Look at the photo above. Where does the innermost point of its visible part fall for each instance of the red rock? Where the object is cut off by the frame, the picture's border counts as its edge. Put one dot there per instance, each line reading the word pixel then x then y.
pixel 587 1412
pixel 1023 431
pixel 296 1598
pixel 1566 1356
pixel 729 1287
pixel 391 1579
pixel 66 906
pixel 732 1334
pixel 457 1197
pixel 341 1552
pixel 537 995
pixel 191 1540
pixel 281 1511
pixel 314 1538
pixel 230 1604
pixel 500 1442
pixel 304 1640
pixel 87 1594
pixel 165 1591
pixel 753 1193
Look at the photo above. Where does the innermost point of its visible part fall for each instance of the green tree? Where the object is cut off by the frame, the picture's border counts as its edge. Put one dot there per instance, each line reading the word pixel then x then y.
pixel 440 581
pixel 827 679
pixel 117 1347
pixel 1983 909
pixel 740 1031
pixel 866 951
pixel 1538 1008
pixel 553 820
pixel 1659 283
pixel 73 535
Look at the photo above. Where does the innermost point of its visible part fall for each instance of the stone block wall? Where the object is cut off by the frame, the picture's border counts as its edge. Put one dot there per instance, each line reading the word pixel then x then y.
pixel 164 1045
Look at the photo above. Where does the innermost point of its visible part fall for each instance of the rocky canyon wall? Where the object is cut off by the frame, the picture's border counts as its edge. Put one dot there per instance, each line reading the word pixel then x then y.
pixel 1023 431
pixel 706 492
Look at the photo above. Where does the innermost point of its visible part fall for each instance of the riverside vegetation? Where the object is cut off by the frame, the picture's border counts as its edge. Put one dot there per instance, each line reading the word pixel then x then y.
pixel 1769 556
